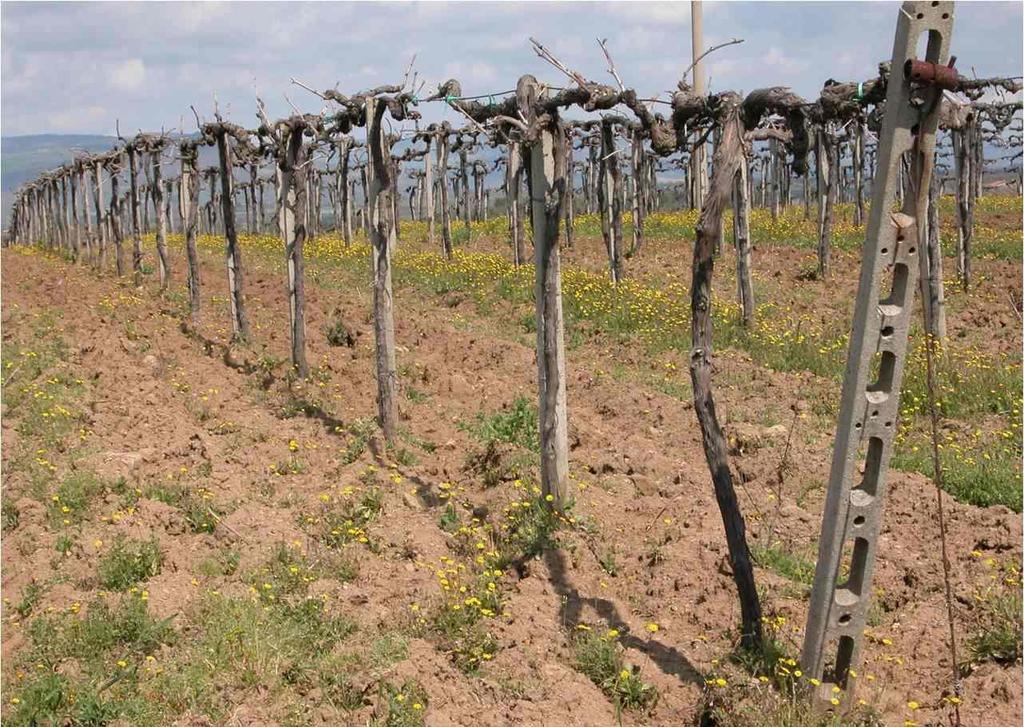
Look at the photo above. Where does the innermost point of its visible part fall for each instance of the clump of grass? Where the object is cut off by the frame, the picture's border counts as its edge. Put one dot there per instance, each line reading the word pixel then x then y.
pixel 344 519
pixel 785 563
pixel 338 334
pixel 359 433
pixel 405 457
pixel 599 658
pixel 458 625
pixel 64 544
pixel 290 466
pixel 224 563
pixel 129 562
pixel 404 705
pixel 607 562
pixel 449 520
pixel 389 648
pixel 201 514
pixel 764 707
pixel 999 638
pixel 10 515
pixel 516 425
pixel 70 504
pixel 288 573
pixel 974 480
pixel 109 646
pixel 29 598
pixel 527 530
pixel 459 632
pixel 284 646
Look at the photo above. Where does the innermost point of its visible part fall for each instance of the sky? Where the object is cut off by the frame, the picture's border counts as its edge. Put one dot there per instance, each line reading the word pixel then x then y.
pixel 77 67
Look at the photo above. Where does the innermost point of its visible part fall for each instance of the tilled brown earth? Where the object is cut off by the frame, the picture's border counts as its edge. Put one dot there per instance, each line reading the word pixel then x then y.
pixel 165 403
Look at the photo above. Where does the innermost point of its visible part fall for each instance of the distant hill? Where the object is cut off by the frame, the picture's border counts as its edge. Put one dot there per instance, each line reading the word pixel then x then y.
pixel 23 158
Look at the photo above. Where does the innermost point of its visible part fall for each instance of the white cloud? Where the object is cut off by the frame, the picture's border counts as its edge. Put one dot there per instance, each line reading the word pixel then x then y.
pixel 472 74
pixel 147 62
pixel 129 75
pixel 776 58
pixel 652 13
pixel 72 120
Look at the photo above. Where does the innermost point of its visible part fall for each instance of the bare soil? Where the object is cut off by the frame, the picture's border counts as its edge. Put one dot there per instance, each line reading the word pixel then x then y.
pixel 638 474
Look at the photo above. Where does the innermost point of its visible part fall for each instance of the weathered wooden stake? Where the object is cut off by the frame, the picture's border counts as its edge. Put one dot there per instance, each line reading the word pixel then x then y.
pixel 136 221
pixel 428 190
pixel 161 221
pixel 233 254
pixel 514 169
pixel 381 186
pixel 189 196
pixel 828 178
pixel 291 190
pixel 933 295
pixel 547 189
pixel 639 193
pixel 115 216
pixel 442 180
pixel 741 237
pixel 609 198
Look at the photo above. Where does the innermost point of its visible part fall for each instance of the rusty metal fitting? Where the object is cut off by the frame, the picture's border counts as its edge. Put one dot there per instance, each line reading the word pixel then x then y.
pixel 945 77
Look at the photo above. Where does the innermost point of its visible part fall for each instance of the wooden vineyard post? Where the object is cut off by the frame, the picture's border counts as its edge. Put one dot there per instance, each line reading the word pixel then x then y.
pixel 964 159
pixel 188 189
pixel 428 190
pixel 53 213
pixel 83 195
pixel 871 387
pixel 858 172
pixel 114 169
pixel 464 196
pixel 292 194
pixel 233 254
pixel 395 171
pixel 774 187
pixel 570 211
pixel 609 198
pixel 251 198
pixel 442 180
pixel 933 294
pixel 72 202
pixel 168 197
pixel 513 183
pixel 741 235
pixel 547 188
pixel 828 173
pixel 639 190
pixel 344 199
pixel 97 198
pixel 365 217
pixel 344 156
pixel 161 219
pixel 381 188
pixel 133 189
pixel 62 212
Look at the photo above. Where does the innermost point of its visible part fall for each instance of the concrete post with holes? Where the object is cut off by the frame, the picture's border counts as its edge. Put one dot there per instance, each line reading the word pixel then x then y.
pixel 874 371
